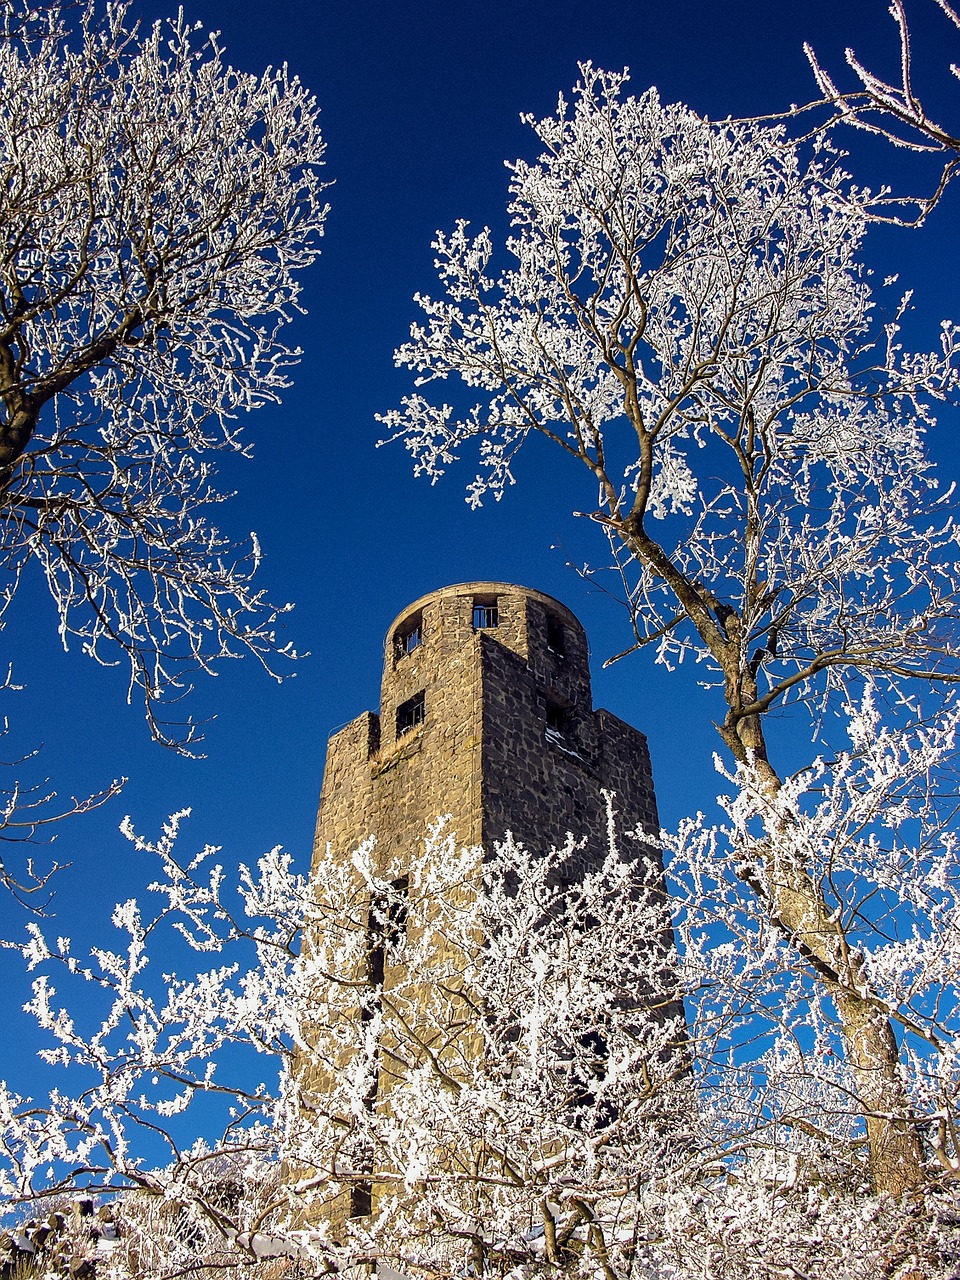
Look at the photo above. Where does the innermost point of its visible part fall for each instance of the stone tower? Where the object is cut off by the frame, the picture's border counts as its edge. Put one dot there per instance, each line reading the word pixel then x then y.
pixel 486 715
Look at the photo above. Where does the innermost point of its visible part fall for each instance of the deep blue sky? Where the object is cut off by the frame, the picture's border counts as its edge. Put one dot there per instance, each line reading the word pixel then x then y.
pixel 420 107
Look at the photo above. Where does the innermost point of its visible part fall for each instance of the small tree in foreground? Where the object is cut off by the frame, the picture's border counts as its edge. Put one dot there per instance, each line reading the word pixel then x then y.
pixel 687 319
pixel 506 1075
pixel 157 209
pixel 508 1090
pixel 494 1093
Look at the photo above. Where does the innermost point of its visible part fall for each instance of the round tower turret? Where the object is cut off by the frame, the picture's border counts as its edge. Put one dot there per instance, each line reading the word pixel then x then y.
pixel 426 643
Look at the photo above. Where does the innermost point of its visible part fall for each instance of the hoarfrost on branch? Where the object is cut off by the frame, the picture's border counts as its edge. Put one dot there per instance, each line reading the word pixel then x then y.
pixel 685 314
pixel 539 1103
pixel 158 208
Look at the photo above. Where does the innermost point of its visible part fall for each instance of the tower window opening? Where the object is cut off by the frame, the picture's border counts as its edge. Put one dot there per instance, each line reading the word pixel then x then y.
pixel 408 637
pixel 387 928
pixel 584 1063
pixel 558 721
pixel 556 641
pixel 411 713
pixel 386 936
pixel 361 1199
pixel 486 615
pixel 187 1231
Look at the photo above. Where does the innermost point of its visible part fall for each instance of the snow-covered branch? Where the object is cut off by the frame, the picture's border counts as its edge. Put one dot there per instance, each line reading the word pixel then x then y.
pixel 158 210
pixel 484 1063
pixel 896 112
pixel 683 311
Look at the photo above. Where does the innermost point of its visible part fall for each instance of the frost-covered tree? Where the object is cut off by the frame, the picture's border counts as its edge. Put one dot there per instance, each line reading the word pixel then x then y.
pixel 148 1053
pixel 157 209
pixel 874 829
pixel 531 1115
pixel 491 1093
pixel 895 111
pixel 683 313
pixel 511 1069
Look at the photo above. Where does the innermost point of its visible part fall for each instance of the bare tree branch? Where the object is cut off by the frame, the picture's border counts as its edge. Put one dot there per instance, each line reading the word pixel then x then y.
pixel 156 211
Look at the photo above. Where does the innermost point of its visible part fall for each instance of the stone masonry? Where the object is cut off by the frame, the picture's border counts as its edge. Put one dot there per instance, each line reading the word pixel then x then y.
pixel 506 737
pixel 486 716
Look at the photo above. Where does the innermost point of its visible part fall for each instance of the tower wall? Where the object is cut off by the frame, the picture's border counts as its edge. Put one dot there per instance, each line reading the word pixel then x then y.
pixel 486 716
pixel 508 740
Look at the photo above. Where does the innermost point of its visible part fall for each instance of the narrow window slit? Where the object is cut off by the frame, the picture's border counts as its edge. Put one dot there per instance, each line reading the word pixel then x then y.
pixel 556 643
pixel 411 713
pixel 558 721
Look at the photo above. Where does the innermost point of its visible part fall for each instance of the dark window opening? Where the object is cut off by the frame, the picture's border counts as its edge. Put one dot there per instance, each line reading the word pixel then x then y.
pixel 187 1231
pixel 386 936
pixel 586 1071
pixel 560 724
pixel 361 1199
pixel 387 931
pixel 226 1196
pixel 557 716
pixel 411 713
pixel 486 615
pixel 388 928
pixel 556 642
pixel 408 637
pixel 376 970
pixel 595 1053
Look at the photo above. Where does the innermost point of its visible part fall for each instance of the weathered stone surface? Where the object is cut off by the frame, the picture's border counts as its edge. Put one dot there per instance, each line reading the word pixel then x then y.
pixel 484 753
pixel 494 726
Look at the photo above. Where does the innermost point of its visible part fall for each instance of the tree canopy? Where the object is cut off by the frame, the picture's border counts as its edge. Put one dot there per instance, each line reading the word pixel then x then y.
pixel 158 209
pixel 688 318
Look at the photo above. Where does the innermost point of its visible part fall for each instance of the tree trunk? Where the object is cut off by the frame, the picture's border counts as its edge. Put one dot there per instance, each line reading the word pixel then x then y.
pixel 896 1156
pixel 793 898
pixel 797 904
